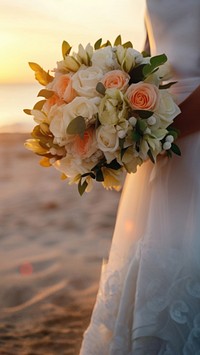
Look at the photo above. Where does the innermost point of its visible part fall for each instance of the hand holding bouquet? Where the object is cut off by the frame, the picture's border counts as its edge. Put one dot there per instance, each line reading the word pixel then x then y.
pixel 105 110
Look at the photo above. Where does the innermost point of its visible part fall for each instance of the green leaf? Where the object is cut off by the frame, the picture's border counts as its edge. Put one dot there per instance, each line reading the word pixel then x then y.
pixel 121 142
pixel 175 149
pixel 27 111
pixel 118 41
pixel 151 156
pixel 141 125
pixel 128 45
pixel 155 62
pixel 77 126
pixel 106 44
pixel 39 105
pixel 66 48
pixel 45 93
pixel 99 175
pixel 136 136
pixel 167 86
pixel 40 74
pixel 144 114
pixel 82 187
pixel 136 74
pixel 100 88
pixel 145 54
pixel 113 165
pixel 97 44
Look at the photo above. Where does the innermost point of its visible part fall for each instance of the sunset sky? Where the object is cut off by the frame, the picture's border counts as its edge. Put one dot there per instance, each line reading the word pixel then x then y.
pixel 34 30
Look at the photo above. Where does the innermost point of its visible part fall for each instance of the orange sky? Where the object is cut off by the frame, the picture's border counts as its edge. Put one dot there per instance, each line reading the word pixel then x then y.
pixel 34 30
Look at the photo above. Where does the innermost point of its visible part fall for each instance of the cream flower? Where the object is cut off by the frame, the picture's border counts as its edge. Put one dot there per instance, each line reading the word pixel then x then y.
pixel 105 59
pixel 85 81
pixel 167 109
pixel 113 108
pixel 107 138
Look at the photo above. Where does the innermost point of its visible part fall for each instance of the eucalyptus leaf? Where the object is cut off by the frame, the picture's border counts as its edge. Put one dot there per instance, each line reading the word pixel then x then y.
pixel 118 41
pixel 97 44
pixel 77 126
pixel 100 88
pixel 155 62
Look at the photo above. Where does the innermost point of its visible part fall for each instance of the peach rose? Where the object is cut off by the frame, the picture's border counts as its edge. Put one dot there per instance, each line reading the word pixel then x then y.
pixel 116 79
pixel 143 96
pixel 62 85
pixel 86 146
pixel 53 100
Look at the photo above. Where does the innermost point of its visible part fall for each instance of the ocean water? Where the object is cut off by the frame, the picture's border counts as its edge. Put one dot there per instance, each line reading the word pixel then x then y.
pixel 13 99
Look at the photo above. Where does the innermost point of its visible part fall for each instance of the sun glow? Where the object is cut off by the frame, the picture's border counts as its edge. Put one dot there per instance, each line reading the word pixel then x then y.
pixel 34 31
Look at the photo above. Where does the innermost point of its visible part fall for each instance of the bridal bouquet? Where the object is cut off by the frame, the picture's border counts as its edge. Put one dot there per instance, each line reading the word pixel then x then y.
pixel 105 110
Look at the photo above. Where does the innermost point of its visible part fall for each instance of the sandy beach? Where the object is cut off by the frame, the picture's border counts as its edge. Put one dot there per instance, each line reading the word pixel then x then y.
pixel 52 243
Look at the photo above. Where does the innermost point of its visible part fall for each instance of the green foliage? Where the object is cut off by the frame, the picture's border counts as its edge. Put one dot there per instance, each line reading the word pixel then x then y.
pixel 39 105
pixel 144 113
pixel 77 126
pixel 175 149
pixel 66 48
pixel 167 86
pixel 151 156
pixel 27 111
pixel 82 186
pixel 155 62
pixel 41 75
pixel 137 74
pixel 100 88
pixel 118 41
pixel 45 93
pixel 97 44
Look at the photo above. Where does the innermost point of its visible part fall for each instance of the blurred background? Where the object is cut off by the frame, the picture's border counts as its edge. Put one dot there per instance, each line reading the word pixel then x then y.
pixel 52 241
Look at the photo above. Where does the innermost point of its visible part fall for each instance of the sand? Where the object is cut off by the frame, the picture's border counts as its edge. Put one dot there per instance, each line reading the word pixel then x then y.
pixel 52 243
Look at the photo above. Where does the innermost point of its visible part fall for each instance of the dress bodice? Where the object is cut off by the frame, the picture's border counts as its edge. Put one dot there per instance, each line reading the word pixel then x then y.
pixel 173 27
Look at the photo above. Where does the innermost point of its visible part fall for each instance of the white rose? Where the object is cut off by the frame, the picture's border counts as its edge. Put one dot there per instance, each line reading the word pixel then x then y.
pixel 80 106
pixel 58 125
pixel 167 108
pixel 107 138
pixel 72 167
pixel 84 82
pixel 105 59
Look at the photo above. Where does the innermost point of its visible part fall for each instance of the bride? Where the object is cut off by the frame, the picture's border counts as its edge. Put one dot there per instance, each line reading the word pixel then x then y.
pixel 149 294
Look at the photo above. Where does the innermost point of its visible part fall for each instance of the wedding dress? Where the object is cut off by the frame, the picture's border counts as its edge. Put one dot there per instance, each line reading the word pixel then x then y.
pixel 149 294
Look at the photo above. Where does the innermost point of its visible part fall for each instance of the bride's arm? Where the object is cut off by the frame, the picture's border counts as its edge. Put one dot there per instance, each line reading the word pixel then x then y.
pixel 188 121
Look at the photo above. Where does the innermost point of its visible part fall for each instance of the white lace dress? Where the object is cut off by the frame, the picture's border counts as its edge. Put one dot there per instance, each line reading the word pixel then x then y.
pixel 149 295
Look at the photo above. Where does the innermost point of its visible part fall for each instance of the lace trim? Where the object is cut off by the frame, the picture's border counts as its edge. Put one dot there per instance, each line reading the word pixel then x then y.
pixel 163 303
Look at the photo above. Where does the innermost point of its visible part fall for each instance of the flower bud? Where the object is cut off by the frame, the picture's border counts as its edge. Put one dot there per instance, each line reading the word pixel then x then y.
pixel 167 145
